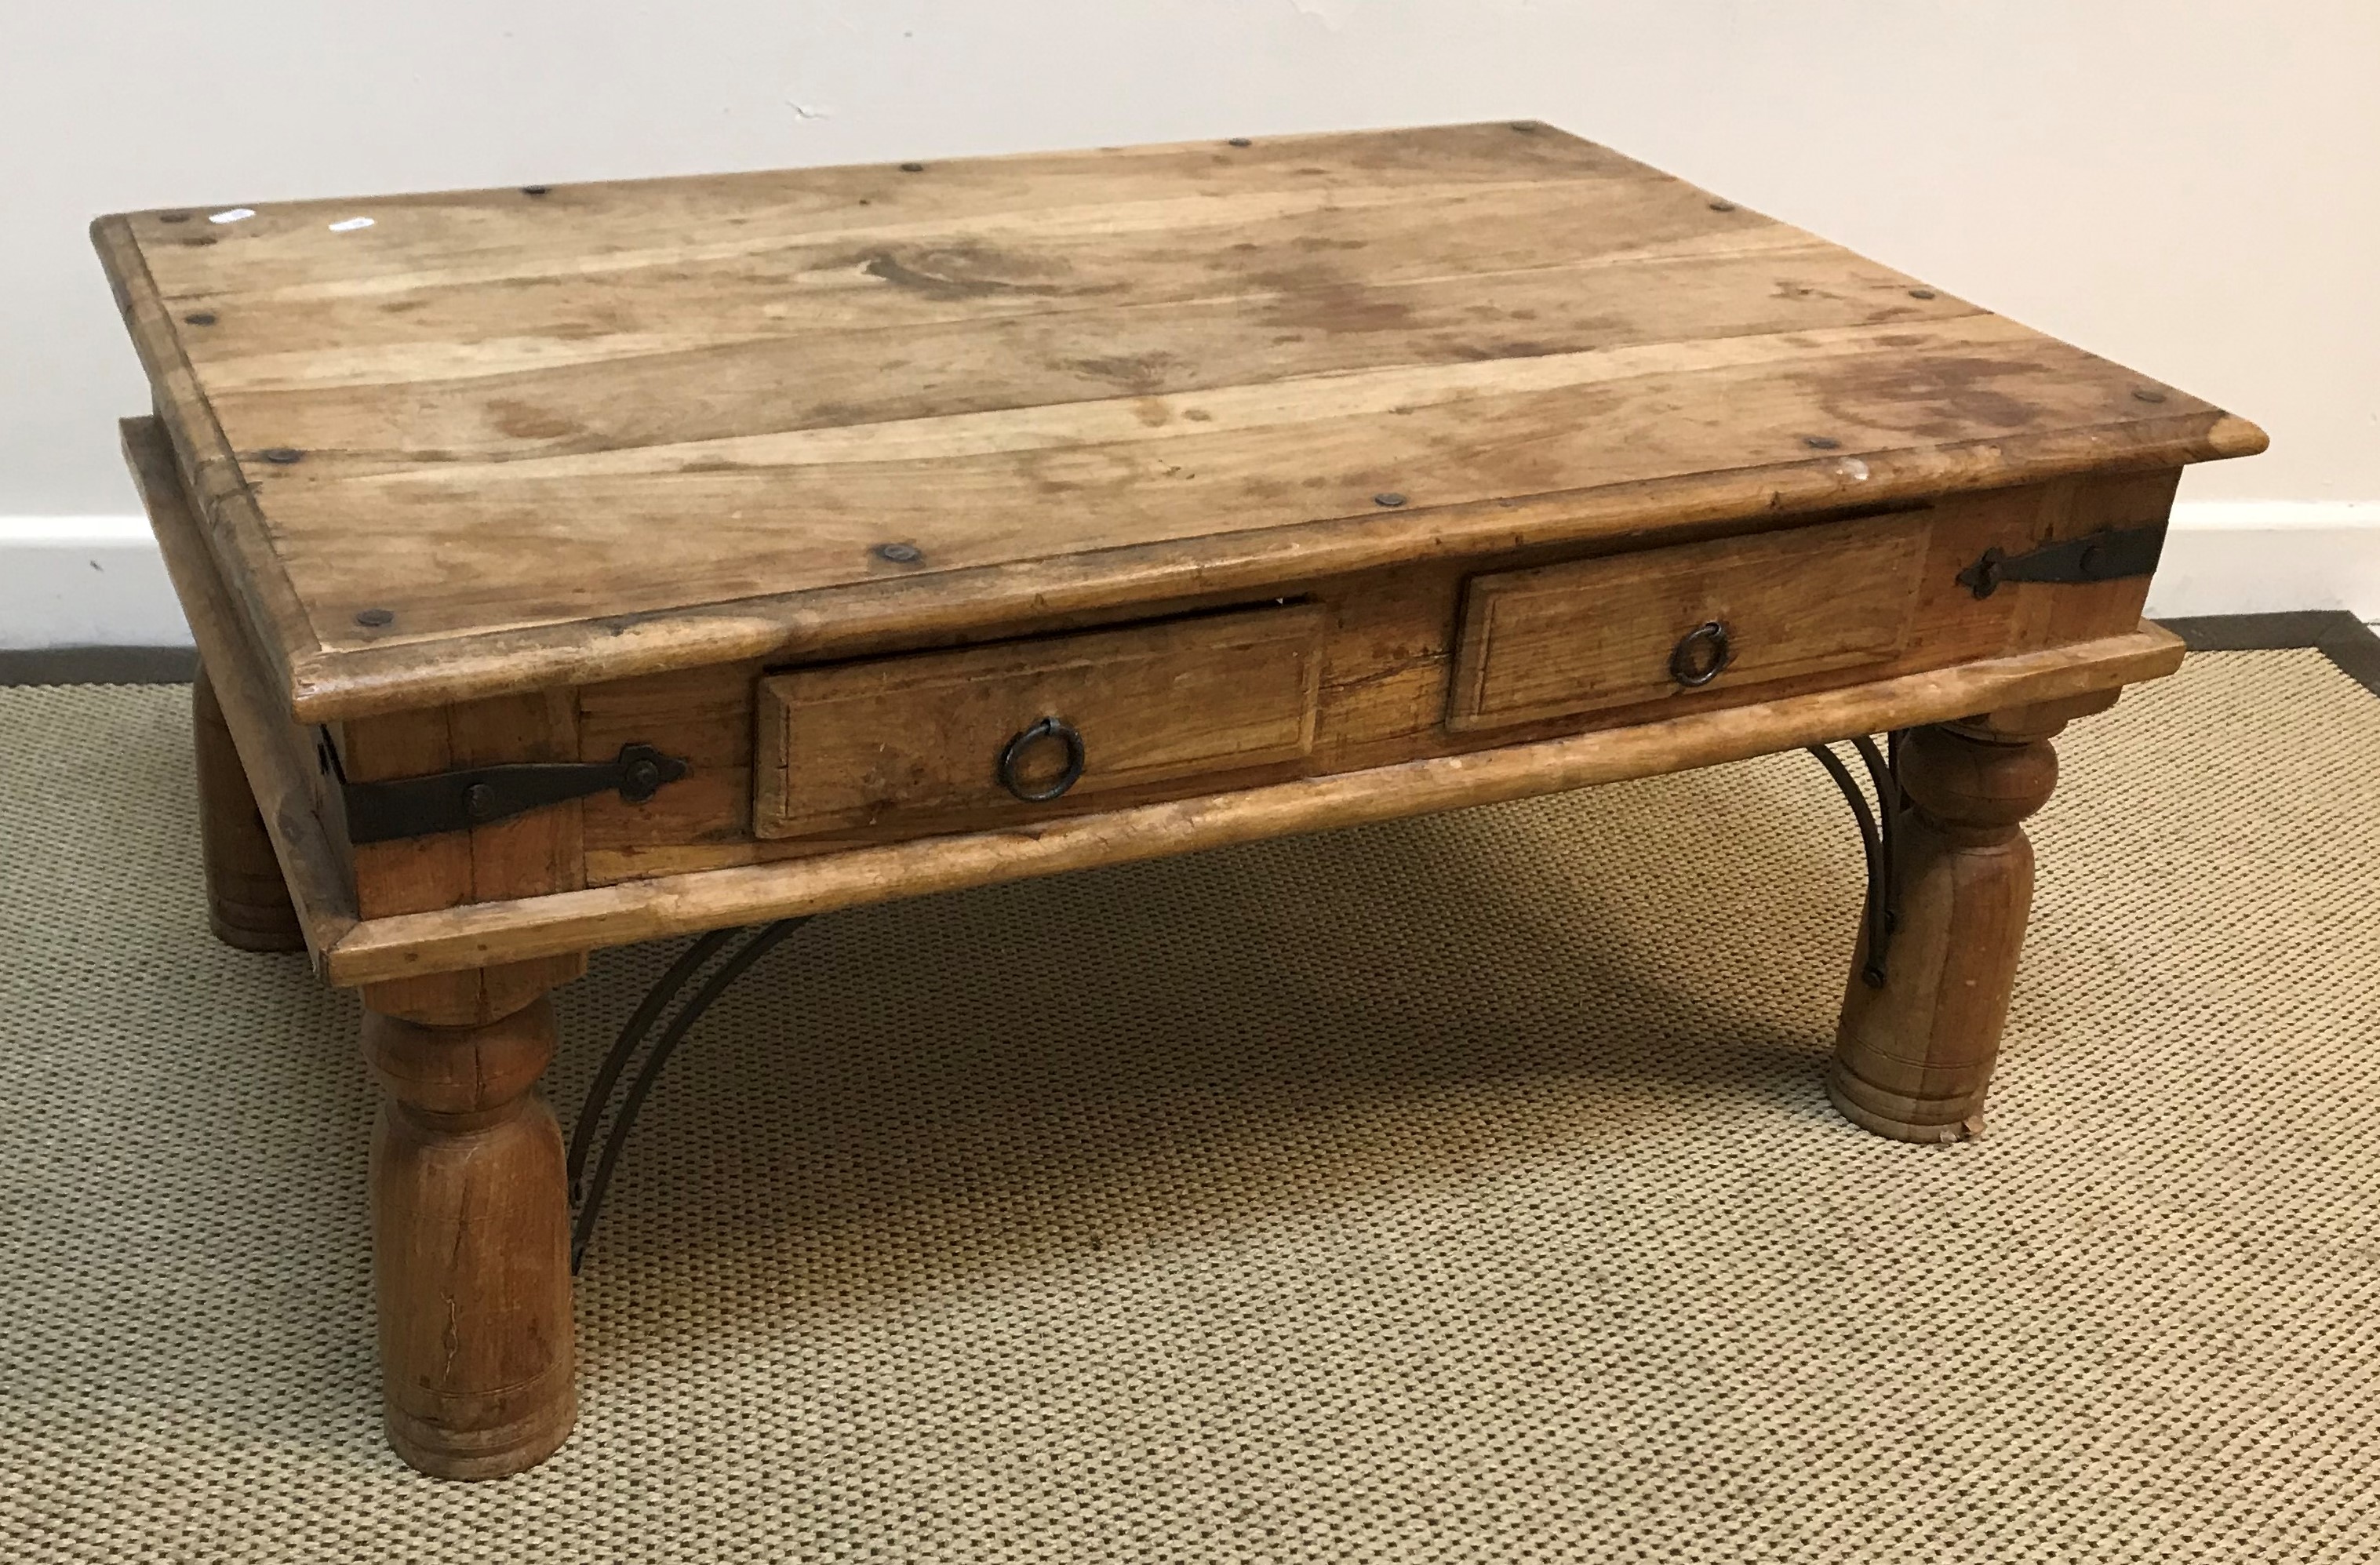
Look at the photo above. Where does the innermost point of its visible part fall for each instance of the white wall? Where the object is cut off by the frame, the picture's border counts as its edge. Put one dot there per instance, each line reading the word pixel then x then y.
pixel 2188 186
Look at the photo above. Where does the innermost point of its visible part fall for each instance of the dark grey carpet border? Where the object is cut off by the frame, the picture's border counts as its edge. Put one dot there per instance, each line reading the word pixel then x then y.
pixel 2338 634
pixel 99 665
pixel 2345 639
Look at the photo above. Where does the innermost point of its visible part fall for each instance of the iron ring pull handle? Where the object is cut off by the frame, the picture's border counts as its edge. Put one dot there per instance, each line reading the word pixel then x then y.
pixel 1056 728
pixel 1700 654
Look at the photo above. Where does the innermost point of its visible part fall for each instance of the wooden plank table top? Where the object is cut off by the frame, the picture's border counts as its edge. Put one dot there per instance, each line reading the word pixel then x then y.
pixel 504 440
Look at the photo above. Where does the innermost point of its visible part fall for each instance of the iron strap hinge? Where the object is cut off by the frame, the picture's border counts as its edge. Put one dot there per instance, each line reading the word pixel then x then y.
pixel 2107 555
pixel 457 801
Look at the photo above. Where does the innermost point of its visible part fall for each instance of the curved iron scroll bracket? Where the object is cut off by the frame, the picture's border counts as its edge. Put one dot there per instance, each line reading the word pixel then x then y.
pixel 1879 827
pixel 744 947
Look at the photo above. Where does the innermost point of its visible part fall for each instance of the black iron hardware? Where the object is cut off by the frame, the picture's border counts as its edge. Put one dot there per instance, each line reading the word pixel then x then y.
pixel 456 801
pixel 1879 827
pixel 726 955
pixel 2107 555
pixel 586 1194
pixel 1700 654
pixel 1056 728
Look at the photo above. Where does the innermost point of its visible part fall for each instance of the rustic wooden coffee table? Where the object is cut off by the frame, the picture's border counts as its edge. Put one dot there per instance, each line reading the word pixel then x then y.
pixel 584 565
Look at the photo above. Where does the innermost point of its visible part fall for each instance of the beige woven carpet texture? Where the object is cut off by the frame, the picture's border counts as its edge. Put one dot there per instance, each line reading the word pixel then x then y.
pixel 1455 1189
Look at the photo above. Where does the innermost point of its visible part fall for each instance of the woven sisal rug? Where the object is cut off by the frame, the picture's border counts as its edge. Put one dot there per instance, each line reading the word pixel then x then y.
pixel 1456 1189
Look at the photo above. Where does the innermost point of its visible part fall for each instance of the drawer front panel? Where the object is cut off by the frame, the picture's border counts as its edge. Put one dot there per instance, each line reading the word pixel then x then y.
pixel 895 746
pixel 1581 637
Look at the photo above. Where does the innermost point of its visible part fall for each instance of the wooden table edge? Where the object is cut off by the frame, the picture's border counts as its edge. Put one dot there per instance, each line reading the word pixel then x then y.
pixel 278 771
pixel 1099 152
pixel 337 684
pixel 481 934
pixel 224 516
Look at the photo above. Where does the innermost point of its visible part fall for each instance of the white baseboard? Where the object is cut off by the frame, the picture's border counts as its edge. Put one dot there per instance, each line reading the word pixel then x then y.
pixel 97 581
pixel 2267 556
pixel 84 581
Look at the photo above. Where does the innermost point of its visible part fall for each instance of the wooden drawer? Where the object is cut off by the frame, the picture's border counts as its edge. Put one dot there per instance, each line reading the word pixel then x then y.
pixel 1577 638
pixel 894 746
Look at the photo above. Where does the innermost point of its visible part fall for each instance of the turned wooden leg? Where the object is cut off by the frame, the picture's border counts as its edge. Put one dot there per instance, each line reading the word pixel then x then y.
pixel 247 901
pixel 1912 1060
pixel 471 1245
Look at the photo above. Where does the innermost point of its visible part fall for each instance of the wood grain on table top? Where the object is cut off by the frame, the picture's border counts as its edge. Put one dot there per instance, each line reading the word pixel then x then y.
pixel 617 427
